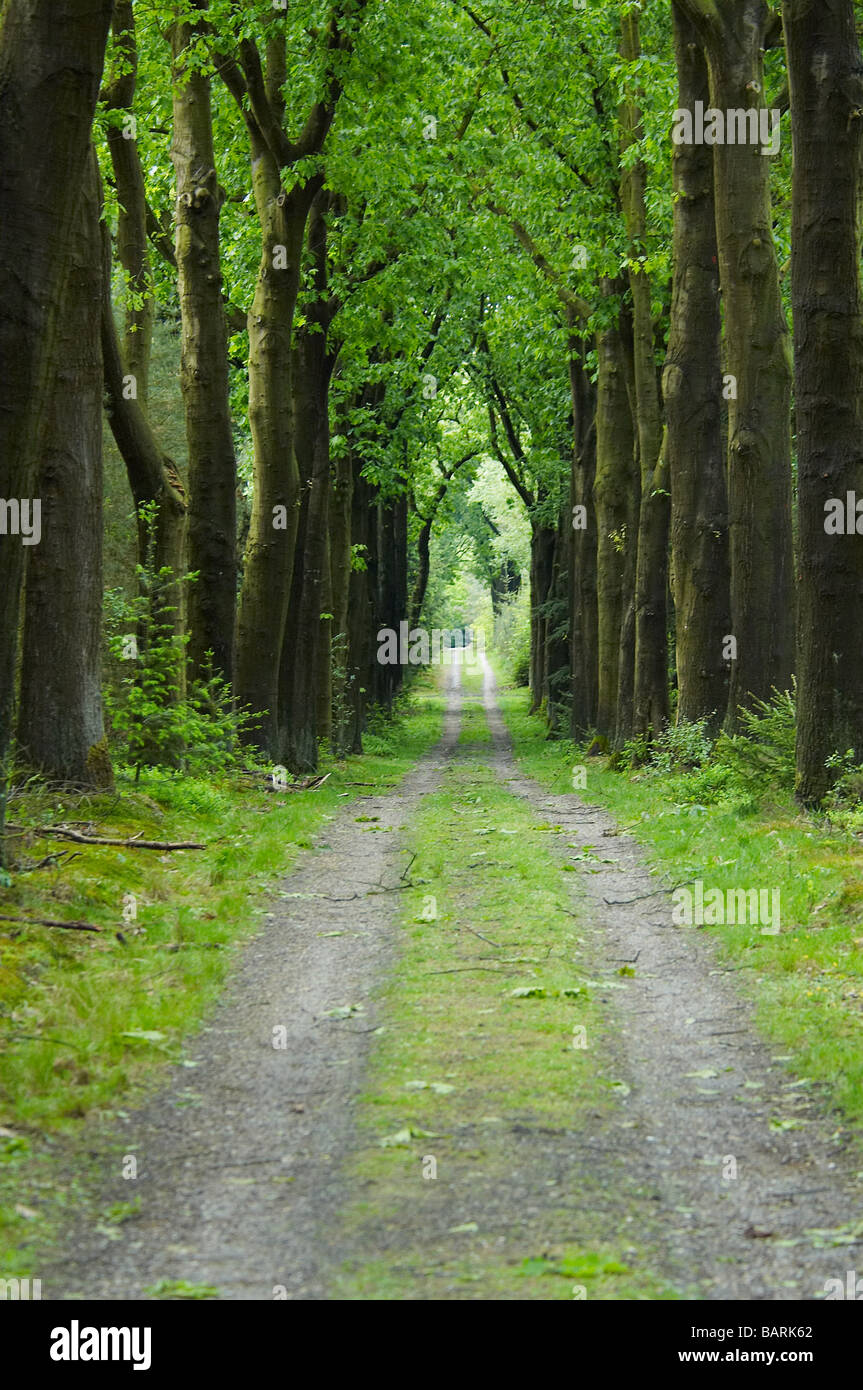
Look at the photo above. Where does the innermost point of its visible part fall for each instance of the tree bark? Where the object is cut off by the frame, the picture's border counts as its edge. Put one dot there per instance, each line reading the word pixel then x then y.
pixel 60 727
pixel 362 633
pixel 824 65
pixel 212 536
pixel 301 661
pixel 734 34
pixel 614 494
pixel 269 559
pixel 132 246
pixel 153 476
pixel 51 59
pixel 259 91
pixel 650 678
pixel 556 676
pixel 692 389
pixel 340 577
pixel 584 674
pixel 542 551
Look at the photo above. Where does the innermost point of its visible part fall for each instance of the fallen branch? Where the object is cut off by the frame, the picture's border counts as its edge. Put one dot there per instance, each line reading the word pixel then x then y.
pixel 64 855
pixel 62 833
pixel 497 944
pixel 617 902
pixel 410 864
pixel 311 784
pixel 49 922
pixel 460 969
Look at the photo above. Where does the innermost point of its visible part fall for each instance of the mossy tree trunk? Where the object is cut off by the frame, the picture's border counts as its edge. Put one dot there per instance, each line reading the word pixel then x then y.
pixel 692 385
pixel 826 81
pixel 650 675
pixel 56 47
pixel 309 648
pixel 735 34
pixel 212 527
pixel 60 726
pixel 615 495
pixel 584 673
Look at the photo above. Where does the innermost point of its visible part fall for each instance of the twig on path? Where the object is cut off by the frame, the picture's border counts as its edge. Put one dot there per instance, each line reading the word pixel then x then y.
pixel 410 864
pixel 48 922
pixel 625 960
pixel 618 902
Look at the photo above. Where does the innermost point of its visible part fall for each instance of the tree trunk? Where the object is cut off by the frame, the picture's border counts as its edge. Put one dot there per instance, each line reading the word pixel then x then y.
pixel 269 559
pixel 390 589
pixel 60 728
pixel 362 632
pixel 826 102
pixel 614 488
pixel 650 680
pixel 212 544
pixel 153 477
pixel 734 33
pixel 132 245
pixel 422 574
pixel 582 583
pixel 49 53
pixel 692 390
pixel 340 576
pixel 541 574
pixel 301 663
pixel 557 628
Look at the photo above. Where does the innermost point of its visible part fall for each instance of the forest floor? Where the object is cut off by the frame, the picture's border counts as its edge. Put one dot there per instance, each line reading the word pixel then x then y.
pixel 471 1057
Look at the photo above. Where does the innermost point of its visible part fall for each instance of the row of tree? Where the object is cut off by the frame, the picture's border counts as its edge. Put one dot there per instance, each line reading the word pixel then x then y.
pixel 397 242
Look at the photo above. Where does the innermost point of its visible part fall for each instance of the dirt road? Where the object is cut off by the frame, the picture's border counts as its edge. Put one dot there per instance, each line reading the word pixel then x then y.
pixel 722 1164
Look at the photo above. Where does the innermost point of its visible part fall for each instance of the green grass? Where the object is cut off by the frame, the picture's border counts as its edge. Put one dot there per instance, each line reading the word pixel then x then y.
pixel 807 982
pixel 479 1037
pixel 88 1021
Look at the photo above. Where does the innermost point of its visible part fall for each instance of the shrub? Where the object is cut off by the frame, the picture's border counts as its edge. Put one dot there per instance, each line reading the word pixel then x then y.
pixel 151 726
pixel 682 746
pixel 763 753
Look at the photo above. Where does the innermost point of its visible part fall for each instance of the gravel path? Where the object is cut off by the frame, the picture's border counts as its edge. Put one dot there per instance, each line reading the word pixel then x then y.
pixel 240 1158
pixel 703 1087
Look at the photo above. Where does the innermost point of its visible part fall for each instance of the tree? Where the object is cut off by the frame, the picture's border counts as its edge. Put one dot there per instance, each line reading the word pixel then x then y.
pixel 48 51
pixel 212 515
pixel 735 34
pixel 60 727
pixel 258 88
pixel 691 387
pixel 824 70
